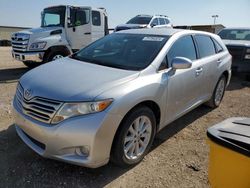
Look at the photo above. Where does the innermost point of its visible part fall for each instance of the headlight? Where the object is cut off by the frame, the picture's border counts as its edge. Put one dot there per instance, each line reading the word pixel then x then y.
pixel 248 50
pixel 37 45
pixel 76 109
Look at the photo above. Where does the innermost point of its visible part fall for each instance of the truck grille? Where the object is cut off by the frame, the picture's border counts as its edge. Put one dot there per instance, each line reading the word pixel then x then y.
pixel 236 52
pixel 38 108
pixel 20 42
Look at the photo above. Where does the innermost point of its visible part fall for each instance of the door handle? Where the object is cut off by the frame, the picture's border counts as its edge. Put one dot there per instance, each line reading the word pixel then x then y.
pixel 219 61
pixel 88 33
pixel 198 71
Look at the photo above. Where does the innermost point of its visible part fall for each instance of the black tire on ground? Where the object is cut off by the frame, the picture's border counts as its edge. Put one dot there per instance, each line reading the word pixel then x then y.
pixel 212 102
pixel 50 55
pixel 118 156
pixel 30 64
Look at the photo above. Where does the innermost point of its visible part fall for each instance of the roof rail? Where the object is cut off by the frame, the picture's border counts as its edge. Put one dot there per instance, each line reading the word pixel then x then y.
pixel 161 15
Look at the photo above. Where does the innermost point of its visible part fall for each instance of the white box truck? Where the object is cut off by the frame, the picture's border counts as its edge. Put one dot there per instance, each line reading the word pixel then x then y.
pixel 64 30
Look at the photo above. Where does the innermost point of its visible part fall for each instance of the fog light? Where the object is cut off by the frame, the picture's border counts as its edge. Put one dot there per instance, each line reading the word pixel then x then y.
pixel 247 56
pixel 82 151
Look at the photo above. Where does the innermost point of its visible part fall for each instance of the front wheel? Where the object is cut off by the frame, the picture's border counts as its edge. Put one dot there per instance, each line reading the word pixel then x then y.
pixel 54 55
pixel 134 137
pixel 218 93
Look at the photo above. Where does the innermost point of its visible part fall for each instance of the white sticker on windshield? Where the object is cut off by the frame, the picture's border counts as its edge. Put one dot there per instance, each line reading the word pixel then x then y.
pixel 157 39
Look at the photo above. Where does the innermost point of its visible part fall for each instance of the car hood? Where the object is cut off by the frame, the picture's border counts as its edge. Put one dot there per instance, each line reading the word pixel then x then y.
pixel 71 80
pixel 39 30
pixel 244 43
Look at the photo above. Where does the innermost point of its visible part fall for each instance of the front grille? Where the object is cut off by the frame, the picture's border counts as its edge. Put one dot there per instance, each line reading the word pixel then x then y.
pixel 236 52
pixel 38 108
pixel 19 42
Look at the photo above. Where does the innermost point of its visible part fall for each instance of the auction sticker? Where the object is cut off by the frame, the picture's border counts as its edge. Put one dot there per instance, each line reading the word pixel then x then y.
pixel 156 39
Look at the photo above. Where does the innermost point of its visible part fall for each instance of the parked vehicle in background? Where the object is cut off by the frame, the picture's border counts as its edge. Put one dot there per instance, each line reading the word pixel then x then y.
pixel 237 41
pixel 146 21
pixel 124 88
pixel 64 30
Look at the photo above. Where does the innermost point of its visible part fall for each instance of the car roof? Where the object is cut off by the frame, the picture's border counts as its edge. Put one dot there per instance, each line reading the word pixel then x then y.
pixel 153 31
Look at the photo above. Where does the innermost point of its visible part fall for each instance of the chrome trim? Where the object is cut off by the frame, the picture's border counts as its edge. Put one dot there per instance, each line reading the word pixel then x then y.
pixel 20 41
pixel 36 57
pixel 37 108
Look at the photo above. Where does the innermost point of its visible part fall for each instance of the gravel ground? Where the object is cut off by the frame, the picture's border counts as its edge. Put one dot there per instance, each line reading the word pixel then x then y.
pixel 179 157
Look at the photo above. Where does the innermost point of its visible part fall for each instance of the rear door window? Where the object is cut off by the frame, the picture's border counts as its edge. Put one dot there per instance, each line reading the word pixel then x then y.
pixel 205 45
pixel 183 47
pixel 218 47
pixel 162 21
pixel 96 18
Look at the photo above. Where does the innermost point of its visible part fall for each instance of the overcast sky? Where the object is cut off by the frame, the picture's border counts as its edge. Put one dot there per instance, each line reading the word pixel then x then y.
pixel 231 13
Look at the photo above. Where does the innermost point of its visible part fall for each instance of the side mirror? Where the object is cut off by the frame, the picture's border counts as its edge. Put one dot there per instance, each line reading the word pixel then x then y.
pixel 181 63
pixel 153 25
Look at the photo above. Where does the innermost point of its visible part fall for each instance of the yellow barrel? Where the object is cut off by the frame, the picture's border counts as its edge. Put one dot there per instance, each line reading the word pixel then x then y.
pixel 229 158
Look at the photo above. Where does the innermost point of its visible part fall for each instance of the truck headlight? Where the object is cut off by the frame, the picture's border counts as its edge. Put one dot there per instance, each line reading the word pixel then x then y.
pixel 248 50
pixel 37 45
pixel 76 109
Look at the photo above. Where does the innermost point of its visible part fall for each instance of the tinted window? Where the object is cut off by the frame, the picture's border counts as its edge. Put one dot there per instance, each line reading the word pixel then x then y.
pixel 218 47
pixel 140 20
pixel 235 34
pixel 123 51
pixel 205 45
pixel 96 18
pixel 183 47
pixel 79 17
pixel 162 21
pixel 167 21
pixel 155 22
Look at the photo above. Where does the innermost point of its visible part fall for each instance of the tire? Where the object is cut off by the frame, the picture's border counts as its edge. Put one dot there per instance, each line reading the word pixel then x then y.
pixel 119 156
pixel 30 64
pixel 52 54
pixel 220 87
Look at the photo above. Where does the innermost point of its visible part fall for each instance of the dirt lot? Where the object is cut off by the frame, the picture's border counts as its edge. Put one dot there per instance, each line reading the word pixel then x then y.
pixel 179 157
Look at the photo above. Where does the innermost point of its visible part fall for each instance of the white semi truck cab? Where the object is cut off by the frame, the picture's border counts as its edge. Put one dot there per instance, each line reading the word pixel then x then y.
pixel 64 30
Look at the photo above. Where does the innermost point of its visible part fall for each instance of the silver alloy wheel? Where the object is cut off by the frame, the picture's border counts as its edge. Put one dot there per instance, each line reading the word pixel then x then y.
pixel 219 92
pixel 137 137
pixel 57 57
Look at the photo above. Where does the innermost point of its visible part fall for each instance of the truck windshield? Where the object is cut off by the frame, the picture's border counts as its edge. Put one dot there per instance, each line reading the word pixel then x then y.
pixel 140 20
pixel 123 51
pixel 54 16
pixel 235 34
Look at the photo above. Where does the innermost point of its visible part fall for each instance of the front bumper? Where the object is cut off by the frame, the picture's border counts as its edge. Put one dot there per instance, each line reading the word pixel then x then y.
pixel 36 57
pixel 62 141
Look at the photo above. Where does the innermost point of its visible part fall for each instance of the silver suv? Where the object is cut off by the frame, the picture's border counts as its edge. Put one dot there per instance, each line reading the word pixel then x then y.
pixel 108 100
pixel 146 21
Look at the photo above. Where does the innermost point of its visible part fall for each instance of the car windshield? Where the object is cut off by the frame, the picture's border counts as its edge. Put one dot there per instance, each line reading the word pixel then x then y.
pixel 53 16
pixel 140 20
pixel 123 51
pixel 235 34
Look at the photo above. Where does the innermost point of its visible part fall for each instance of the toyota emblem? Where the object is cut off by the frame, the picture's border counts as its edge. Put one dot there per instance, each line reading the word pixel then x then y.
pixel 28 94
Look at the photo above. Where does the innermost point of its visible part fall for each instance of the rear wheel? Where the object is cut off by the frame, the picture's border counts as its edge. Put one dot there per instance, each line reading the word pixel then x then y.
pixel 134 138
pixel 218 93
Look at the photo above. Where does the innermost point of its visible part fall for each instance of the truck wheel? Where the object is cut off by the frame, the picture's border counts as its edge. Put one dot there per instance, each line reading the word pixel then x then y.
pixel 218 93
pixel 30 64
pixel 53 55
pixel 134 137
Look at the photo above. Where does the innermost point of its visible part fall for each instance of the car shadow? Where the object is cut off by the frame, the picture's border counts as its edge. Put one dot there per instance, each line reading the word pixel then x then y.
pixel 235 80
pixel 23 167
pixel 12 75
